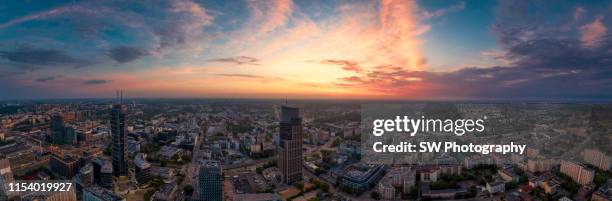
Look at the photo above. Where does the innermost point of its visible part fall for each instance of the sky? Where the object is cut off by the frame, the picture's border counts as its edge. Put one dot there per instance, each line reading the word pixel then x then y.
pixel 307 49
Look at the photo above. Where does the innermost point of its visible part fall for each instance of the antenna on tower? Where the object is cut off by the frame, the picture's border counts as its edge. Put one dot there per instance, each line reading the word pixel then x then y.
pixel 286 101
pixel 121 100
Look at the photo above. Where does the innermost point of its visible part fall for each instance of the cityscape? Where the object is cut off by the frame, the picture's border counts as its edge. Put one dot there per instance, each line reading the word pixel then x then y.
pixel 148 149
pixel 305 100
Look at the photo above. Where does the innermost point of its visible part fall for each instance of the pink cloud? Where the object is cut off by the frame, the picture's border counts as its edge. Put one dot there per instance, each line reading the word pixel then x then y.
pixel 592 33
pixel 270 15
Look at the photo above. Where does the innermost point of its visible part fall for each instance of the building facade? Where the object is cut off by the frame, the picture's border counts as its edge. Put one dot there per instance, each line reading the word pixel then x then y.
pixel 577 172
pixel 290 146
pixel 118 115
pixel 210 181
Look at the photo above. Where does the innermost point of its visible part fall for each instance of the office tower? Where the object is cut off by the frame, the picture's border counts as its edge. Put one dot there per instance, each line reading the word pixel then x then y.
pixel 6 177
pixel 70 135
pixel 142 169
pixel 597 159
pixel 577 172
pixel 57 129
pixel 210 182
pixel 290 145
pixel 118 130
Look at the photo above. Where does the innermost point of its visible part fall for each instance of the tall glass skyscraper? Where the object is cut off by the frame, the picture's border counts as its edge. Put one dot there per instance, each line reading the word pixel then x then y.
pixel 210 181
pixel 290 147
pixel 118 114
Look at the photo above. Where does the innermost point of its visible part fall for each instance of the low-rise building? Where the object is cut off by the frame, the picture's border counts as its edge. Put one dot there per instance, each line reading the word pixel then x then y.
pixel 603 193
pixel 496 187
pixel 360 177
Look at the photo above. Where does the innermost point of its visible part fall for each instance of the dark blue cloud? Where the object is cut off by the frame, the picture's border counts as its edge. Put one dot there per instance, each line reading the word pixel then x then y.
pixel 95 82
pixel 123 54
pixel 35 57
pixel 45 79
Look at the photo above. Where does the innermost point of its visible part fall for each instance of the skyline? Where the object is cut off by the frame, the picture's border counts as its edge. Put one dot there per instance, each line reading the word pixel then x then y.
pixel 412 50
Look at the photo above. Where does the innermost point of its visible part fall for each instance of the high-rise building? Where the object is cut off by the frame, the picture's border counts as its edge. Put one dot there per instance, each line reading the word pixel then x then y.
pixel 597 159
pixel 577 172
pixel 57 129
pixel 290 145
pixel 210 181
pixel 118 114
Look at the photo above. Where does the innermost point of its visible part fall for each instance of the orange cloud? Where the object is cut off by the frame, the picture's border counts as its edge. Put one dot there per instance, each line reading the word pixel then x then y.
pixel 593 33
pixel 401 27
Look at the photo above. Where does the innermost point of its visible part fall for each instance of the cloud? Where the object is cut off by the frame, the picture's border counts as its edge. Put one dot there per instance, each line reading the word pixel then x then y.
pixel 46 79
pixel 95 82
pixel 401 28
pixel 579 13
pixel 239 60
pixel 249 76
pixel 344 64
pixel 183 26
pixel 124 54
pixel 592 34
pixel 41 57
pixel 443 11
pixel 52 13
pixel 239 75
pixel 544 60
pixel 270 15
pixel 10 74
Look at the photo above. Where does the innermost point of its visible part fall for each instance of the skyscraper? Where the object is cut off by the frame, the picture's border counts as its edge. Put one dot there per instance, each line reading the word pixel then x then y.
pixel 210 182
pixel 118 130
pixel 57 129
pixel 290 145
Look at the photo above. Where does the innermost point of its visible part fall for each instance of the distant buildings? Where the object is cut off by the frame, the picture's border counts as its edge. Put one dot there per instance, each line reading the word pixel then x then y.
pixel 577 172
pixel 290 147
pixel 118 115
pixel 210 181
pixel 540 165
pixel 596 158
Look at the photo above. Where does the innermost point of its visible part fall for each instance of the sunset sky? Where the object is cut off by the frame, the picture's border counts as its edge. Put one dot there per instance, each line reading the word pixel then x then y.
pixel 389 49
